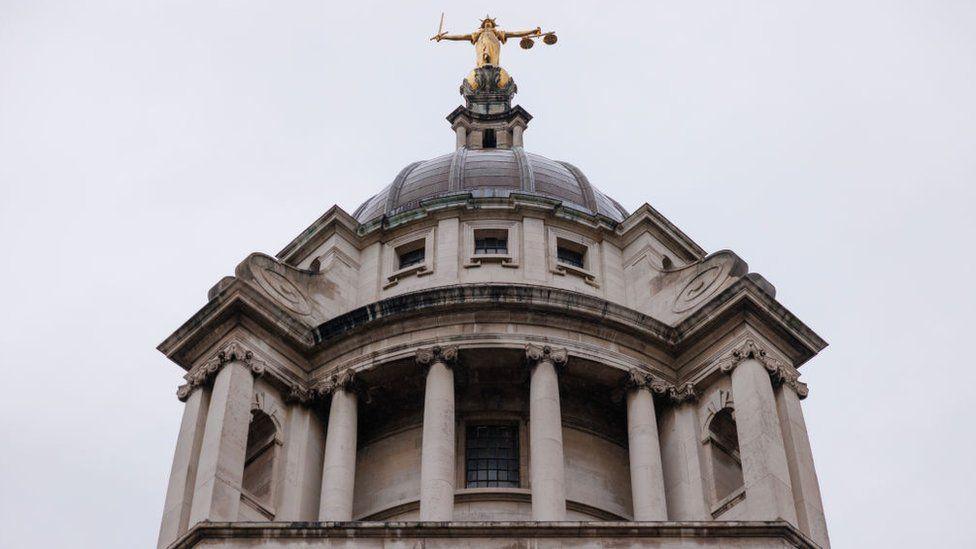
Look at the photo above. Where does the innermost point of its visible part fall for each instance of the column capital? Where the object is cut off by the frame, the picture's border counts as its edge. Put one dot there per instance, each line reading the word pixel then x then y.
pixel 344 380
pixel 780 372
pixel 446 355
pixel 234 351
pixel 543 353
pixel 641 379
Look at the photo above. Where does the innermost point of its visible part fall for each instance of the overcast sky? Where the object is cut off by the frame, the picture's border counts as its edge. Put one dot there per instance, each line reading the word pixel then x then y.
pixel 147 147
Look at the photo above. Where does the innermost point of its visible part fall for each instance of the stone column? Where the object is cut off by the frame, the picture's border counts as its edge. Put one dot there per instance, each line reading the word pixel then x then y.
pixel 769 495
pixel 304 443
pixel 546 465
pixel 646 470
pixel 437 471
pixel 462 136
pixel 182 476
pixel 339 464
pixel 220 471
pixel 680 454
pixel 806 487
pixel 517 135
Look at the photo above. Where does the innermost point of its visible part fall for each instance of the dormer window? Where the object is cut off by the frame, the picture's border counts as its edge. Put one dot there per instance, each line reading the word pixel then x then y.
pixel 570 253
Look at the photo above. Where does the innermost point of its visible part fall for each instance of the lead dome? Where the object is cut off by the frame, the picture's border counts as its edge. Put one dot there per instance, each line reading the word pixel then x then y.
pixel 487 173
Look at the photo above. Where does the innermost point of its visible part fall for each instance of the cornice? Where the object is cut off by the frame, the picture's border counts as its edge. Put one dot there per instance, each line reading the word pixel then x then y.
pixel 466 533
pixel 235 299
pixel 334 220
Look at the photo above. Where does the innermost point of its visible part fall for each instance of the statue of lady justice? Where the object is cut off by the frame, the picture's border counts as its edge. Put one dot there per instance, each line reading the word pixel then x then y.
pixel 488 42
pixel 489 38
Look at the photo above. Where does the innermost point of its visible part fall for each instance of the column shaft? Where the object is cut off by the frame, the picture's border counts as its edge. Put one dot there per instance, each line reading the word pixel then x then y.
pixel 437 471
pixel 217 494
pixel 339 467
pixel 806 488
pixel 182 476
pixel 646 470
pixel 301 489
pixel 547 469
pixel 769 495
pixel 680 453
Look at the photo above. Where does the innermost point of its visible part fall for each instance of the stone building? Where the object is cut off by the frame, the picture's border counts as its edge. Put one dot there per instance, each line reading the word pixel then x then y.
pixel 492 352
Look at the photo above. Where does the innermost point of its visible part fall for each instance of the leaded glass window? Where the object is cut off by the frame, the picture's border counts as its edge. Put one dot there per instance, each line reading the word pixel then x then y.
pixel 492 456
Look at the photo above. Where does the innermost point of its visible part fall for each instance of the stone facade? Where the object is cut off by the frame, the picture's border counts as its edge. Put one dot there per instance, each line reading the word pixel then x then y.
pixel 490 352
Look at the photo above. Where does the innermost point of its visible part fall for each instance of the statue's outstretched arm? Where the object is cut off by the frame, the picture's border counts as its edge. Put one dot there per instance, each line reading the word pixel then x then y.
pixel 516 34
pixel 458 37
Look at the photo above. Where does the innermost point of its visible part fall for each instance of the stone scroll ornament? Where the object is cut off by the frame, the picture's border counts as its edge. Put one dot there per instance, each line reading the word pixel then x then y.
pixel 446 355
pixel 778 370
pixel 536 354
pixel 639 379
pixel 232 352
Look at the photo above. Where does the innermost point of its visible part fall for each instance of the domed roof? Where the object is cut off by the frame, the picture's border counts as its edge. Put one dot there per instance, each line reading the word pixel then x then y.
pixel 489 173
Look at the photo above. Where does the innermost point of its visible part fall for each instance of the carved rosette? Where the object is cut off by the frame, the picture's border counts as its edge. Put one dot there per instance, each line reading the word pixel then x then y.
pixel 536 354
pixel 446 355
pixel 232 352
pixel 640 379
pixel 780 372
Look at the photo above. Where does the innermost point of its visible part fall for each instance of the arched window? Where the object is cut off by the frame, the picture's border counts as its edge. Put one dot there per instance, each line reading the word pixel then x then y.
pixel 723 444
pixel 259 463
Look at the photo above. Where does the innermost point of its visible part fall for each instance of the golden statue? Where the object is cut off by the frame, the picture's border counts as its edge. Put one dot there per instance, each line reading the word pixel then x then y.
pixel 489 38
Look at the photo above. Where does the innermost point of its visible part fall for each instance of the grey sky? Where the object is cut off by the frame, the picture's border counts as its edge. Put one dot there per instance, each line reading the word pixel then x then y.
pixel 147 147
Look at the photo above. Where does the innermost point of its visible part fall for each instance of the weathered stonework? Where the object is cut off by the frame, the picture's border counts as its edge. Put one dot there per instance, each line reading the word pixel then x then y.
pixel 491 352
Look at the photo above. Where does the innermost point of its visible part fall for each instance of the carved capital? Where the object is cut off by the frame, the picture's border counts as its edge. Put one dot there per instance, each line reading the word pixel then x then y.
pixel 298 393
pixel 639 379
pixel 446 355
pixel 183 391
pixel 344 380
pixel 780 372
pixel 536 354
pixel 683 393
pixel 231 352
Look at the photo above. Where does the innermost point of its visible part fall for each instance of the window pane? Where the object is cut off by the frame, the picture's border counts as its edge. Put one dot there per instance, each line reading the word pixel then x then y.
pixel 490 245
pixel 411 258
pixel 569 257
pixel 491 456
